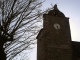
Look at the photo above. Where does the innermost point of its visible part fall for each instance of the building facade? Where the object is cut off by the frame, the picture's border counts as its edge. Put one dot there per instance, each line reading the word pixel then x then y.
pixel 54 40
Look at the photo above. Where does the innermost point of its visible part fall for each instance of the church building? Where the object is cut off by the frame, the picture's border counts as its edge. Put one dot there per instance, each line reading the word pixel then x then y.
pixel 54 39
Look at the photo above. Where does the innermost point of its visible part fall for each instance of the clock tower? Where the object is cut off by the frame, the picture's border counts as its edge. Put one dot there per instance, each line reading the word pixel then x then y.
pixel 54 40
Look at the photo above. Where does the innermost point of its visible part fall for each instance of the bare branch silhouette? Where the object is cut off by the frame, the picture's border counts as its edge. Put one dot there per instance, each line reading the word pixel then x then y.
pixel 18 26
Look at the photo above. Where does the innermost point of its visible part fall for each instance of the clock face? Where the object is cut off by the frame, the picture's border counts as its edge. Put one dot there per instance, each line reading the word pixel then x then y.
pixel 56 26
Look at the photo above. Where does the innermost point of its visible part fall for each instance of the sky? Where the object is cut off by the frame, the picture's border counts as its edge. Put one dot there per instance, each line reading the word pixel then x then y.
pixel 71 9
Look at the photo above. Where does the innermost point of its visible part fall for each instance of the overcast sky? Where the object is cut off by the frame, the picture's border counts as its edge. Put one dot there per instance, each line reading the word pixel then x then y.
pixel 71 9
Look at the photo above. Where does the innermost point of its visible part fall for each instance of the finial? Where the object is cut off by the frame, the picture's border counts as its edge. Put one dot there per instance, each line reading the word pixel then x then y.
pixel 55 7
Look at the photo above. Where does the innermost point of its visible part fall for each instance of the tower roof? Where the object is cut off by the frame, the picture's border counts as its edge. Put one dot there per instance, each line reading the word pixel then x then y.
pixel 56 12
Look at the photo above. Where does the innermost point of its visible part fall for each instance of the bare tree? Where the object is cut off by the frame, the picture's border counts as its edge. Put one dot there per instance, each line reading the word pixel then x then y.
pixel 18 20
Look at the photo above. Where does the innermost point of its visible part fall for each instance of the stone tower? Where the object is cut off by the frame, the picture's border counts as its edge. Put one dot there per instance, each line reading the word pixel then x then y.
pixel 54 40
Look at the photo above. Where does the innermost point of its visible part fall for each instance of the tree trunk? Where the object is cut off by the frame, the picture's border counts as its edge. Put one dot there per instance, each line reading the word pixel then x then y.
pixel 2 53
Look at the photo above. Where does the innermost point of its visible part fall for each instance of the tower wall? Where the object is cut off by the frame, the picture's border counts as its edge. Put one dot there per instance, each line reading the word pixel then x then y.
pixel 54 40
